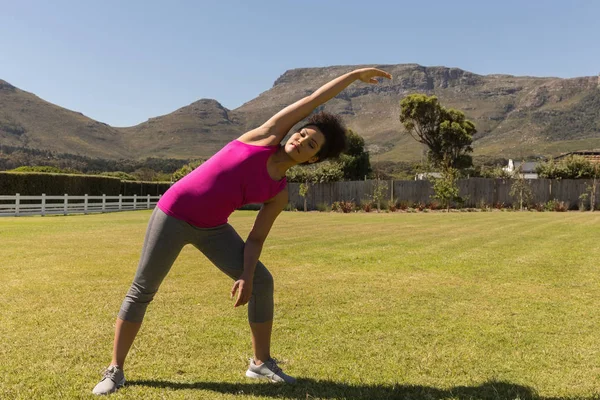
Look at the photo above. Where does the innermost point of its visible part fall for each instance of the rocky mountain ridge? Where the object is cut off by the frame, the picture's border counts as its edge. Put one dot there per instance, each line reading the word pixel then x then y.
pixel 515 116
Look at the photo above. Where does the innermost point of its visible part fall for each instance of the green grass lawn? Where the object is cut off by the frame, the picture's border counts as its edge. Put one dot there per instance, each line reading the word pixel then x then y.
pixel 367 306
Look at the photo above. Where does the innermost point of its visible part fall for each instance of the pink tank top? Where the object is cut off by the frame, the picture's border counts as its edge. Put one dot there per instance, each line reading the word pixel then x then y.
pixel 234 176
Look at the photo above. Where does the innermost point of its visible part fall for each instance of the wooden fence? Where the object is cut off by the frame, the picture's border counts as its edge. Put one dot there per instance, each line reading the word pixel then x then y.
pixel 475 191
pixel 17 205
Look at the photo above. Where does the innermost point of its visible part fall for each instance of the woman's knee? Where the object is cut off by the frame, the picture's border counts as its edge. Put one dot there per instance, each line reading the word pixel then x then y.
pixel 135 303
pixel 141 294
pixel 263 279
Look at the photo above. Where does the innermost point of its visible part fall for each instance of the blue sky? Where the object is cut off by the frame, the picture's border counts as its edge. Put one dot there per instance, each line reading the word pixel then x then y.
pixel 122 62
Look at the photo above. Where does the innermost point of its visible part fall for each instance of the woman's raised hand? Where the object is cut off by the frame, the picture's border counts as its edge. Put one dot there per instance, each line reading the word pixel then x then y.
pixel 369 75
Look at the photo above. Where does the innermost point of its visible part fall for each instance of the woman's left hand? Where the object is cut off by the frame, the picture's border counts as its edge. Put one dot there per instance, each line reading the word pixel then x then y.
pixel 369 75
pixel 244 288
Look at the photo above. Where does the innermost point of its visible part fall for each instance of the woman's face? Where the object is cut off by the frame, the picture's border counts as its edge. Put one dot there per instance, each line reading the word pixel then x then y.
pixel 303 145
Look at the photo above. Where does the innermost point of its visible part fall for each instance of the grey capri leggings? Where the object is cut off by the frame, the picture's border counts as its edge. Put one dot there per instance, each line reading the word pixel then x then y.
pixel 165 237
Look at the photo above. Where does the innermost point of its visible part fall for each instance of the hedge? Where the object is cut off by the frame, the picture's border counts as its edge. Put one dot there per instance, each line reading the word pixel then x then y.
pixel 36 184
pixel 129 188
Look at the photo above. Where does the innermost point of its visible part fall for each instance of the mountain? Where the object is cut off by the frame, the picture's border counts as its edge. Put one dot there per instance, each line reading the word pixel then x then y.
pixel 28 121
pixel 197 130
pixel 515 116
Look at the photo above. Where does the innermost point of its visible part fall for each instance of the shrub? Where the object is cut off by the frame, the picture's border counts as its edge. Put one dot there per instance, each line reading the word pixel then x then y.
pixel 343 206
pixel 384 204
pixel 482 205
pixel 555 205
pixel 582 200
pixel 366 205
pixel 549 206
pixel 335 206
pixel 323 207
pixel 419 206
pixel 561 206
pixel 403 205
pixel 499 206
pixel 290 207
pixel 461 201
pixel 433 205
pixel 46 169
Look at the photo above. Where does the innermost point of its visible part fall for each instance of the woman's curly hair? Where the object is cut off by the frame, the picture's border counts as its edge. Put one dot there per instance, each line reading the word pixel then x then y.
pixel 333 129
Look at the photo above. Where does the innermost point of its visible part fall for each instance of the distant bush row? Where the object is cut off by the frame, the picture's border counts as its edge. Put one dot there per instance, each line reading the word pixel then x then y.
pixel 411 207
pixel 149 169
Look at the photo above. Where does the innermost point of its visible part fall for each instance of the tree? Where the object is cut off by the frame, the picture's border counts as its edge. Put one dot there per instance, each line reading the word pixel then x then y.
pixel 303 191
pixel 355 160
pixel 379 192
pixel 446 188
pixel 186 169
pixel 144 174
pixel 593 186
pixel 352 165
pixel 124 176
pixel 46 169
pixel 496 172
pixel 571 167
pixel 325 171
pixel 590 190
pixel 520 189
pixel 446 132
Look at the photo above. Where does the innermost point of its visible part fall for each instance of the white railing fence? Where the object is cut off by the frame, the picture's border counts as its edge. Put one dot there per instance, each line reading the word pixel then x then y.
pixel 17 205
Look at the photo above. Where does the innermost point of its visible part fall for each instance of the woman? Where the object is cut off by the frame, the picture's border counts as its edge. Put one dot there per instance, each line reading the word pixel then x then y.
pixel 250 169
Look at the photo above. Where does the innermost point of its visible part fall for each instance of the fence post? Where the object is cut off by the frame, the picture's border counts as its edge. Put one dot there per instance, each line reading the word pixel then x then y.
pixel 43 204
pixel 392 186
pixel 134 201
pixel 85 204
pixel 148 202
pixel 17 204
pixel 120 202
pixel 66 204
pixel 103 202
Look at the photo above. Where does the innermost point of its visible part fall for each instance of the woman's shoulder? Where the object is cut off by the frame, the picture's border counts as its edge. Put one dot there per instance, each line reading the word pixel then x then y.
pixel 259 137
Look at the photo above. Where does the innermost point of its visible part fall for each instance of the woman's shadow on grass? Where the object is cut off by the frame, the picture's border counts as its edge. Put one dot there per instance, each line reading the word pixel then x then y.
pixel 310 388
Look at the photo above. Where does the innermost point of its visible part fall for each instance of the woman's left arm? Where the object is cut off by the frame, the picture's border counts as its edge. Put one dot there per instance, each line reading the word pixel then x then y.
pixel 277 127
pixel 254 244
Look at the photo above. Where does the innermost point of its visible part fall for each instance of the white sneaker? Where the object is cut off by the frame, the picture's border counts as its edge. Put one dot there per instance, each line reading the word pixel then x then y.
pixel 268 370
pixel 113 379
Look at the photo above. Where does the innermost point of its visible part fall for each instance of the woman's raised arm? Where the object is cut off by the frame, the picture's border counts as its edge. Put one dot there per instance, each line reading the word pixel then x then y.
pixel 279 125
